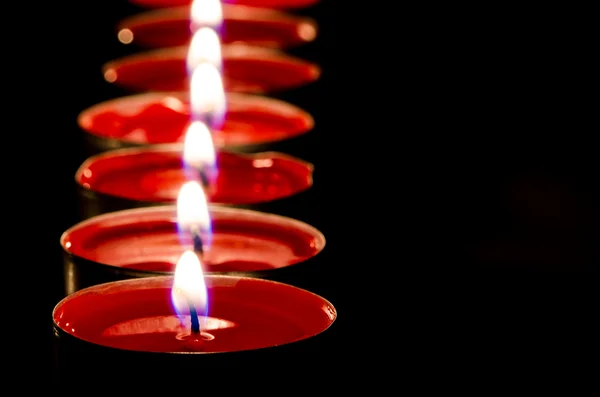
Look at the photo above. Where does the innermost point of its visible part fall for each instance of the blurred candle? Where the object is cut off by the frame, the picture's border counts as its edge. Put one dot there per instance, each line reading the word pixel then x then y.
pixel 291 4
pixel 246 69
pixel 251 123
pixel 170 27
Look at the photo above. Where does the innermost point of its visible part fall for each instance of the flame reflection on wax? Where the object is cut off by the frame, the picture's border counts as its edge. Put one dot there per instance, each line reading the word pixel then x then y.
pixel 162 324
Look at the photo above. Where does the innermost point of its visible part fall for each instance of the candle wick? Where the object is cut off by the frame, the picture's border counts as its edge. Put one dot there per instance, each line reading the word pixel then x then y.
pixel 203 178
pixel 209 119
pixel 194 318
pixel 197 239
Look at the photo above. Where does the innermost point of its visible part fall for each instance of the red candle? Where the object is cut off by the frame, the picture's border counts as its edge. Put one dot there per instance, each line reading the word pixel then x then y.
pixel 147 242
pixel 157 118
pixel 155 175
pixel 146 322
pixel 246 69
pixel 255 3
pixel 170 27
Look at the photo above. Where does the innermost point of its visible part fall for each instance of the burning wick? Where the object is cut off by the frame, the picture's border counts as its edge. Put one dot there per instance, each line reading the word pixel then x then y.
pixel 201 174
pixel 189 293
pixel 193 216
pixel 193 312
pixel 197 239
pixel 194 318
pixel 203 178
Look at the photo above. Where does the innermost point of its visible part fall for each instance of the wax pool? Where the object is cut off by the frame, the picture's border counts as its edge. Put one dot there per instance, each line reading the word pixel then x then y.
pixel 147 242
pixel 157 118
pixel 246 69
pixel 155 174
pixel 241 24
pixel 243 314
pixel 255 3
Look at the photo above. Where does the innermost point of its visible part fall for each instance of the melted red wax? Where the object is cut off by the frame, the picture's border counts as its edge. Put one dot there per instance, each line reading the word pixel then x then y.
pixel 156 175
pixel 250 25
pixel 258 314
pixel 245 70
pixel 148 239
pixel 164 118
pixel 255 3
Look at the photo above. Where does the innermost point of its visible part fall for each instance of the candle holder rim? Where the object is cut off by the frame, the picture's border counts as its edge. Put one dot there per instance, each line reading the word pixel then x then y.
pixel 178 147
pixel 103 143
pixel 333 313
pixel 170 279
pixel 128 203
pixel 212 208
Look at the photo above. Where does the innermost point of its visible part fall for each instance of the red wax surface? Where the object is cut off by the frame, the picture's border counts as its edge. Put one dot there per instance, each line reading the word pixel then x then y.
pixel 253 3
pixel 246 69
pixel 170 27
pixel 156 174
pixel 147 239
pixel 243 314
pixel 152 118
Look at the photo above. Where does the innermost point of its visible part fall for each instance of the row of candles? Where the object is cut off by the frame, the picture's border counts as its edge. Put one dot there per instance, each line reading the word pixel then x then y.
pixel 189 270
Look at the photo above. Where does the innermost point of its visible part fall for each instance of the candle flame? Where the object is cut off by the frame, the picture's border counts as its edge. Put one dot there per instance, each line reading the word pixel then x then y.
pixel 192 210
pixel 198 147
pixel 189 288
pixel 206 13
pixel 204 47
pixel 207 95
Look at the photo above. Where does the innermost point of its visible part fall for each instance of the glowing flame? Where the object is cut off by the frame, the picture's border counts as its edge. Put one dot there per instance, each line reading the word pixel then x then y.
pixel 192 211
pixel 206 13
pixel 205 47
pixel 198 147
pixel 189 289
pixel 207 95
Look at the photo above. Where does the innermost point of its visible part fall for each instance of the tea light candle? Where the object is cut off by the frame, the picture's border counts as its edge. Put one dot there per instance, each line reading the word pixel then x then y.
pixel 170 27
pixel 145 176
pixel 218 321
pixel 246 69
pixel 250 123
pixel 288 4
pixel 148 242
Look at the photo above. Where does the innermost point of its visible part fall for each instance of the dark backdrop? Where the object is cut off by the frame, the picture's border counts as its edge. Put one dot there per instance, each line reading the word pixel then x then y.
pixel 455 176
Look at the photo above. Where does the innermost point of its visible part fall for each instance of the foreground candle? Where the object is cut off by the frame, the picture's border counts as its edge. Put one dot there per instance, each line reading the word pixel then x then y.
pixel 143 324
pixel 170 27
pixel 246 69
pixel 148 242
pixel 139 177
pixel 161 118
pixel 255 3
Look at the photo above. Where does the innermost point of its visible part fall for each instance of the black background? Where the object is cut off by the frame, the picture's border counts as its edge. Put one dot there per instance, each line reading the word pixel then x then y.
pixel 455 177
